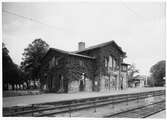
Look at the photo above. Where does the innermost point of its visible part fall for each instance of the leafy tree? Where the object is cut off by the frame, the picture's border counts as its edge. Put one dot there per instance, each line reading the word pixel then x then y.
pixel 6 62
pixel 31 58
pixel 158 73
pixel 10 69
pixel 150 81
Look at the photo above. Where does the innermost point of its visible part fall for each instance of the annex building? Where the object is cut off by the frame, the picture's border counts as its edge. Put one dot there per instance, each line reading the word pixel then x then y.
pixel 96 68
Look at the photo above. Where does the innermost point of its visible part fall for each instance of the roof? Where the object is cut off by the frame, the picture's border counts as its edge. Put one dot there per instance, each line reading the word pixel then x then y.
pixel 140 77
pixel 125 64
pixel 73 54
pixel 99 46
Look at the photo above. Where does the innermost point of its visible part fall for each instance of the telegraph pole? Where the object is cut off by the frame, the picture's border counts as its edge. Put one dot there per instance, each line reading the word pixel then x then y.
pixel 146 78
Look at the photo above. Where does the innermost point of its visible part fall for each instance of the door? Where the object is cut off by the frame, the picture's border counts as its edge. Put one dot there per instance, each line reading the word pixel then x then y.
pixel 81 86
pixel 51 84
pixel 82 82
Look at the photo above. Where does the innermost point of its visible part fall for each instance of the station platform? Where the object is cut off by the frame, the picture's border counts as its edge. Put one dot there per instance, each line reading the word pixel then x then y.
pixel 160 115
pixel 53 97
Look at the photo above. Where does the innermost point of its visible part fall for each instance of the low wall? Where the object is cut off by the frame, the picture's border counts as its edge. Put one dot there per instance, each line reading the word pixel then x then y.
pixel 73 87
pixel 20 93
pixel 88 86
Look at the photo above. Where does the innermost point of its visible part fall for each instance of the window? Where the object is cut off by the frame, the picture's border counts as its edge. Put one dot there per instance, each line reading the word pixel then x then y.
pixel 56 62
pixel 105 62
pixel 80 62
pixel 71 60
pixel 124 68
pixel 106 83
pixel 117 67
pixel 52 63
pixel 114 64
pixel 61 81
pixel 110 61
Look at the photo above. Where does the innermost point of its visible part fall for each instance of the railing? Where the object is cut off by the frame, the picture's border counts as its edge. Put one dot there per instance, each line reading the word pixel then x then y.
pixel 68 106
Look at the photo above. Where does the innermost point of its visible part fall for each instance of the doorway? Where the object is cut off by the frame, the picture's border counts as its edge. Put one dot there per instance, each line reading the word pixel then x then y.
pixel 82 82
pixel 81 86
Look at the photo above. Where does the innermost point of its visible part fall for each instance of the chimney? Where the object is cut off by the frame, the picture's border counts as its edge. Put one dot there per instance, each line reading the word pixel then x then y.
pixel 81 46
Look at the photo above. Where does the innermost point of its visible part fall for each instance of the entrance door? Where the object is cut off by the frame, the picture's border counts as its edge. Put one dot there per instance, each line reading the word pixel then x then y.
pixel 57 82
pixel 115 82
pixel 61 87
pixel 82 82
pixel 51 84
pixel 81 86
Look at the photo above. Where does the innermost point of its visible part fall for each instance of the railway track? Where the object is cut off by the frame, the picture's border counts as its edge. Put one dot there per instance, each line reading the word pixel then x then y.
pixel 69 106
pixel 141 111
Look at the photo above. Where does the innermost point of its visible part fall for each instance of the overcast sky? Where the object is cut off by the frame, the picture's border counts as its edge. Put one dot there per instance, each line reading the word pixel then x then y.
pixel 139 27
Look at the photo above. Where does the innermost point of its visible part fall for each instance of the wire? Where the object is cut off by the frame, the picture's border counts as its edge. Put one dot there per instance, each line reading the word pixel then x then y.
pixel 31 19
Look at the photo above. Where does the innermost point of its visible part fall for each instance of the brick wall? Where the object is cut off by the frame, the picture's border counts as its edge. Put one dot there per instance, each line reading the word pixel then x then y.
pixel 73 86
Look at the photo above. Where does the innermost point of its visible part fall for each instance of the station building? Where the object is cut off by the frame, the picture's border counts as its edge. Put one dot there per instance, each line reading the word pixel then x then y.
pixel 138 81
pixel 96 68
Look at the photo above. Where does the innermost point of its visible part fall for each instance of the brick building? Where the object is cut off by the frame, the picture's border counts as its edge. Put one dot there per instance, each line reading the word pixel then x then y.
pixel 97 68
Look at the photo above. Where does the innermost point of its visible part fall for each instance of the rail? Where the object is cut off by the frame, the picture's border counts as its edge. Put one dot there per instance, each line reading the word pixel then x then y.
pixel 139 109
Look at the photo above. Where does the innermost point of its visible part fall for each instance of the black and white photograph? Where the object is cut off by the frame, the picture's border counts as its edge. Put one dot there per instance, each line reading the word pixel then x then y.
pixel 84 59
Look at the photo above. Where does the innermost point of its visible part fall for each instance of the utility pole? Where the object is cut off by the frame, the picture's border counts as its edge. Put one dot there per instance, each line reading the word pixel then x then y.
pixel 146 78
pixel 119 79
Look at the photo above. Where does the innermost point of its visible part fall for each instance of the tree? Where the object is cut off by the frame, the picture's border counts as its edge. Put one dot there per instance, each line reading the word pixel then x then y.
pixel 150 81
pixel 10 69
pixel 158 73
pixel 31 58
pixel 131 72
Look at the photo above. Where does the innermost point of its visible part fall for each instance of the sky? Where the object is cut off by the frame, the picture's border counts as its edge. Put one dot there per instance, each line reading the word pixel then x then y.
pixel 138 27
